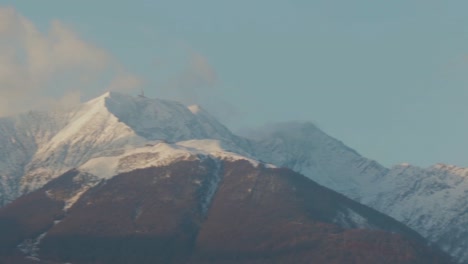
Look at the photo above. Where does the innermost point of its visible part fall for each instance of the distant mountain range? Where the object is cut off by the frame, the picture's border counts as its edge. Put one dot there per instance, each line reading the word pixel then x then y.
pixel 123 179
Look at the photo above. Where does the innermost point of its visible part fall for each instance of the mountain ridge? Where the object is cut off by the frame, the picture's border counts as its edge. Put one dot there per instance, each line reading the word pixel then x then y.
pixel 60 141
pixel 40 146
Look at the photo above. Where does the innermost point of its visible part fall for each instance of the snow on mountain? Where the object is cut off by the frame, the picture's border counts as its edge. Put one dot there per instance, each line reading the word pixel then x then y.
pixel 306 149
pixel 20 137
pixel 115 133
pixel 155 119
pixel 157 154
pixel 91 129
pixel 154 154
pixel 39 146
pixel 430 200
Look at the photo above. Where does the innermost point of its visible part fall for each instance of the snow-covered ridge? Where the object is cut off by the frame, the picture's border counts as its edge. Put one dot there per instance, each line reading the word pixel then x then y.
pixel 155 119
pixel 91 128
pixel 304 148
pixel 155 154
pixel 158 154
pixel 430 200
pixel 39 146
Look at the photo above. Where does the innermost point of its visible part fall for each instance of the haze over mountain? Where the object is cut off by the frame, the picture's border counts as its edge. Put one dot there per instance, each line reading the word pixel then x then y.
pixel 67 161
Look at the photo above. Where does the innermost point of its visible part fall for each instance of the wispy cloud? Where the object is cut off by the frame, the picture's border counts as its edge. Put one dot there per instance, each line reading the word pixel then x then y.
pixel 199 83
pixel 42 68
pixel 197 80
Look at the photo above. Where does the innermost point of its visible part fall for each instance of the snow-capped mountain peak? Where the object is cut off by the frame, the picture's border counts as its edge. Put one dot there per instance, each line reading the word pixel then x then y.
pixel 54 142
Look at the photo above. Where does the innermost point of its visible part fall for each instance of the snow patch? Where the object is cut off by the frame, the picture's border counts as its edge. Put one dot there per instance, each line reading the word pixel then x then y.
pixel 159 154
pixel 212 187
pixel 195 109
pixel 348 218
pixel 70 202
pixel 30 247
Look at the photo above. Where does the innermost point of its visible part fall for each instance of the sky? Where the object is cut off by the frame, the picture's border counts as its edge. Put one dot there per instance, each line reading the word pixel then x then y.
pixel 388 78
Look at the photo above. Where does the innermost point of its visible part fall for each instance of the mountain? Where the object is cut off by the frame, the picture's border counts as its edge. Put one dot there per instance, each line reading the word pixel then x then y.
pixel 430 200
pixel 197 208
pixel 39 146
pixel 306 149
pixel 118 134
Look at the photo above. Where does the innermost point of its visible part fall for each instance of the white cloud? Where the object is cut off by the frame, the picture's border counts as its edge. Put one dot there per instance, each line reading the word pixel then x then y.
pixel 38 68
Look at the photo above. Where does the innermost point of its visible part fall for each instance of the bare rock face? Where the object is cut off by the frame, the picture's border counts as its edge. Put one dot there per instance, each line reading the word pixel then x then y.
pixel 201 210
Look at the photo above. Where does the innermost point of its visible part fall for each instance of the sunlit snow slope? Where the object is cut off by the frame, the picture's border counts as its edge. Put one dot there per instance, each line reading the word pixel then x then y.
pixel 39 146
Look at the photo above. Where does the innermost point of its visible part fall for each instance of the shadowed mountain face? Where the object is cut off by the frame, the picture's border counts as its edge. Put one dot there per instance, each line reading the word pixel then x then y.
pixel 202 210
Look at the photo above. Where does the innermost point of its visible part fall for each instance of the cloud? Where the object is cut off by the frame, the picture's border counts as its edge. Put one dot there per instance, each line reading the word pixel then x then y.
pixel 198 83
pixel 197 80
pixel 125 82
pixel 201 71
pixel 42 68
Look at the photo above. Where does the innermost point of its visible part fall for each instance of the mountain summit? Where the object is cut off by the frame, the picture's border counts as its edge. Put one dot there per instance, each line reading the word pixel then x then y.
pixel 39 146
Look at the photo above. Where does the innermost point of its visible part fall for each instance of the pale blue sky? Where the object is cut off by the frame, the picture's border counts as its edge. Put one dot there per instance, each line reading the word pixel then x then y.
pixel 388 78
